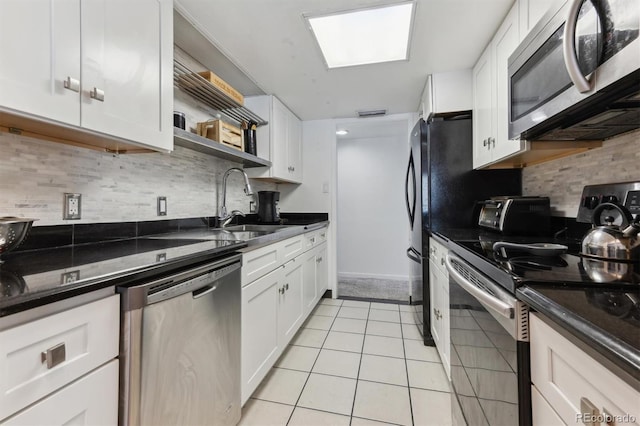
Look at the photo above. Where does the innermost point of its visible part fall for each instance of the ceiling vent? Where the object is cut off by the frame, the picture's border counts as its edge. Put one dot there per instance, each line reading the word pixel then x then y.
pixel 372 113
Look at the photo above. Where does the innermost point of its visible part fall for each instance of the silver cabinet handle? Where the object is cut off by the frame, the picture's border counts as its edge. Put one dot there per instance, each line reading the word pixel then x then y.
pixel 569 49
pixel 281 290
pixel 493 142
pixel 442 261
pixel 97 94
pixel 286 286
pixel 72 84
pixel 313 240
pixel 587 407
pixel 54 355
pixel 484 142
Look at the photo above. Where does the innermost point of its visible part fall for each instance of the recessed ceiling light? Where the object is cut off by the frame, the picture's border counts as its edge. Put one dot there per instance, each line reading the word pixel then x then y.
pixel 342 132
pixel 364 36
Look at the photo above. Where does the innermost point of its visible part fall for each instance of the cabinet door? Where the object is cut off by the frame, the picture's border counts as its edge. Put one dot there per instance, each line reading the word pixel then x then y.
pixel 294 148
pixel 91 400
pixel 127 56
pixel 434 296
pixel 279 131
pixel 482 109
pixel 39 50
pixel 290 301
pixel 530 12
pixel 322 271
pixel 259 324
pixel 505 42
pixel 309 287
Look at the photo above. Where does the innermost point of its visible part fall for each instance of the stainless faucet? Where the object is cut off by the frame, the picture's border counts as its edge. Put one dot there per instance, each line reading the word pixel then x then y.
pixel 223 217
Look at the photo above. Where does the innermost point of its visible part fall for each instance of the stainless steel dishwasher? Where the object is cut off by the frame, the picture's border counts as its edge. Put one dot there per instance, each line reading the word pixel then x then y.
pixel 180 348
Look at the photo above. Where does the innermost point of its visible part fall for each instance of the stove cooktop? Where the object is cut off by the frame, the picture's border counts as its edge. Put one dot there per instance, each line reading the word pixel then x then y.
pixel 568 268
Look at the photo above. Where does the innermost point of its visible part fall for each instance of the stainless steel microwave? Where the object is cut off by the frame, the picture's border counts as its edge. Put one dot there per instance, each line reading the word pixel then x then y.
pixel 576 76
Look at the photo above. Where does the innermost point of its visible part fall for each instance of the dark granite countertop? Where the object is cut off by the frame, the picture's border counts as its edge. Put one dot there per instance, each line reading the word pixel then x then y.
pixel 37 277
pixel 602 319
pixel 606 321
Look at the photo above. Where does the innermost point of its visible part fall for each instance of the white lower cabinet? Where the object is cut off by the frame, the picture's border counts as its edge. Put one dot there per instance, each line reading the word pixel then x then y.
pixel 260 346
pixel 275 305
pixel 92 401
pixel 290 312
pixel 439 297
pixel 574 386
pixel 51 361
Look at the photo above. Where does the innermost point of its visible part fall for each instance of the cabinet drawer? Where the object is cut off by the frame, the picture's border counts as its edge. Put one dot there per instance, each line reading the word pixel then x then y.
pixel 259 262
pixel 292 247
pixel 437 253
pixel 566 376
pixel 92 400
pixel 315 238
pixel 88 334
pixel 542 412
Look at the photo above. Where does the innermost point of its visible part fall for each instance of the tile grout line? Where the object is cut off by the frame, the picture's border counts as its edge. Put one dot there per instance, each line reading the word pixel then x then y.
pixel 355 391
pixel 406 367
pixel 295 405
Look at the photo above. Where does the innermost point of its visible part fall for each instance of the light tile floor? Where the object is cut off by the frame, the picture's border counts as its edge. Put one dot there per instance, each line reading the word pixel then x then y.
pixel 355 364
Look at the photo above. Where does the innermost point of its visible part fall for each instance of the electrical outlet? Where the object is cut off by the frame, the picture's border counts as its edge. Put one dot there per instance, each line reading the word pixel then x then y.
pixel 72 206
pixel 252 206
pixel 162 206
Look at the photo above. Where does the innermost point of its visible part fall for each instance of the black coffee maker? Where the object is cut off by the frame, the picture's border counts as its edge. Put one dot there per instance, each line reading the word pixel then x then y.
pixel 268 211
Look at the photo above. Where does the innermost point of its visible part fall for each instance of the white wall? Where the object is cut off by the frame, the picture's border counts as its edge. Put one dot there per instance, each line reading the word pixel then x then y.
pixel 319 158
pixel 373 228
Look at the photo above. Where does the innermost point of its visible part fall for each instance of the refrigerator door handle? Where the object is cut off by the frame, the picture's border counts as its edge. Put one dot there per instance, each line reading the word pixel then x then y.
pixel 414 255
pixel 411 204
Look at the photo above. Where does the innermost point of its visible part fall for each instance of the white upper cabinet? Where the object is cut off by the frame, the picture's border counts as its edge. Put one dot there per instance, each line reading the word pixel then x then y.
pixel 127 56
pixel 447 92
pixel 491 96
pixel 530 12
pixel 280 141
pixel 39 51
pixel 103 66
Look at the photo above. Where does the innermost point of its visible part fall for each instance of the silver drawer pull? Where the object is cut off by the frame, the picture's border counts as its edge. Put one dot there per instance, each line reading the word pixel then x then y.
pixel 54 355
pixel 97 94
pixel 72 84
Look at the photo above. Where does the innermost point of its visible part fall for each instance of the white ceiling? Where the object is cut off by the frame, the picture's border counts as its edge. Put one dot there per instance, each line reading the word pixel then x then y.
pixel 269 42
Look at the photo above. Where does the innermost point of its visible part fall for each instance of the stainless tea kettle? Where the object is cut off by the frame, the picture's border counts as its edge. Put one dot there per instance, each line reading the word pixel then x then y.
pixel 611 241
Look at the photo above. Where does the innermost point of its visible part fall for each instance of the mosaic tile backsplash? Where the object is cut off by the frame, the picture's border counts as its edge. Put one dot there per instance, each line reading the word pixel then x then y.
pixel 34 174
pixel 618 160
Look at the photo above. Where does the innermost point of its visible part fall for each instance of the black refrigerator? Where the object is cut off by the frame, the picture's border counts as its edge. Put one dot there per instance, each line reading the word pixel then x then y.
pixel 442 192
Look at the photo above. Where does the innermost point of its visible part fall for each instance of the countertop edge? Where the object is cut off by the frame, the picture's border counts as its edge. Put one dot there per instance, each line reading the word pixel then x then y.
pixel 622 359
pixel 123 277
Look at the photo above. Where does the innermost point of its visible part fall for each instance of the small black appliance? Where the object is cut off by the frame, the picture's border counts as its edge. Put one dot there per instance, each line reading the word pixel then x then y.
pixel 268 211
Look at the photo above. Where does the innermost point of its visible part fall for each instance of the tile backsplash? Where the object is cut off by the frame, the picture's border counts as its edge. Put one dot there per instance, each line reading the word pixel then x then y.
pixel 618 160
pixel 34 174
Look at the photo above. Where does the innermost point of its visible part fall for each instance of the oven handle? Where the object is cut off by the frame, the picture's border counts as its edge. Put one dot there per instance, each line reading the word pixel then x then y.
pixel 490 301
pixel 569 49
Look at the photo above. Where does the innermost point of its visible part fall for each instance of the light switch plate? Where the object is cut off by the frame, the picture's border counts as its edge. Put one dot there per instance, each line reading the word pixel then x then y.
pixel 162 206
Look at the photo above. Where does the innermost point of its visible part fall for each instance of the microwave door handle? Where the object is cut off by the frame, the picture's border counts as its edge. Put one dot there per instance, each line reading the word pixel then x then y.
pixel 569 49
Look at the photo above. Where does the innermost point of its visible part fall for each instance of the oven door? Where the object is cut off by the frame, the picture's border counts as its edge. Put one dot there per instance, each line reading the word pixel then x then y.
pixel 489 350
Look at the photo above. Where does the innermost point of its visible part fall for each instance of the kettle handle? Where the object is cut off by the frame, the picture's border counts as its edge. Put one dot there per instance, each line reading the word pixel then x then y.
pixel 627 218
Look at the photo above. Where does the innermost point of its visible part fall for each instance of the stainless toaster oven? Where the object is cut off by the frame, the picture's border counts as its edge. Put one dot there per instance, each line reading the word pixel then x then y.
pixel 516 215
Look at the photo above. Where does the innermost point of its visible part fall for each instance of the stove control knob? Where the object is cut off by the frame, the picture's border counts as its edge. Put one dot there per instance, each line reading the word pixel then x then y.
pixel 609 199
pixel 495 223
pixel 591 201
pixel 498 213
